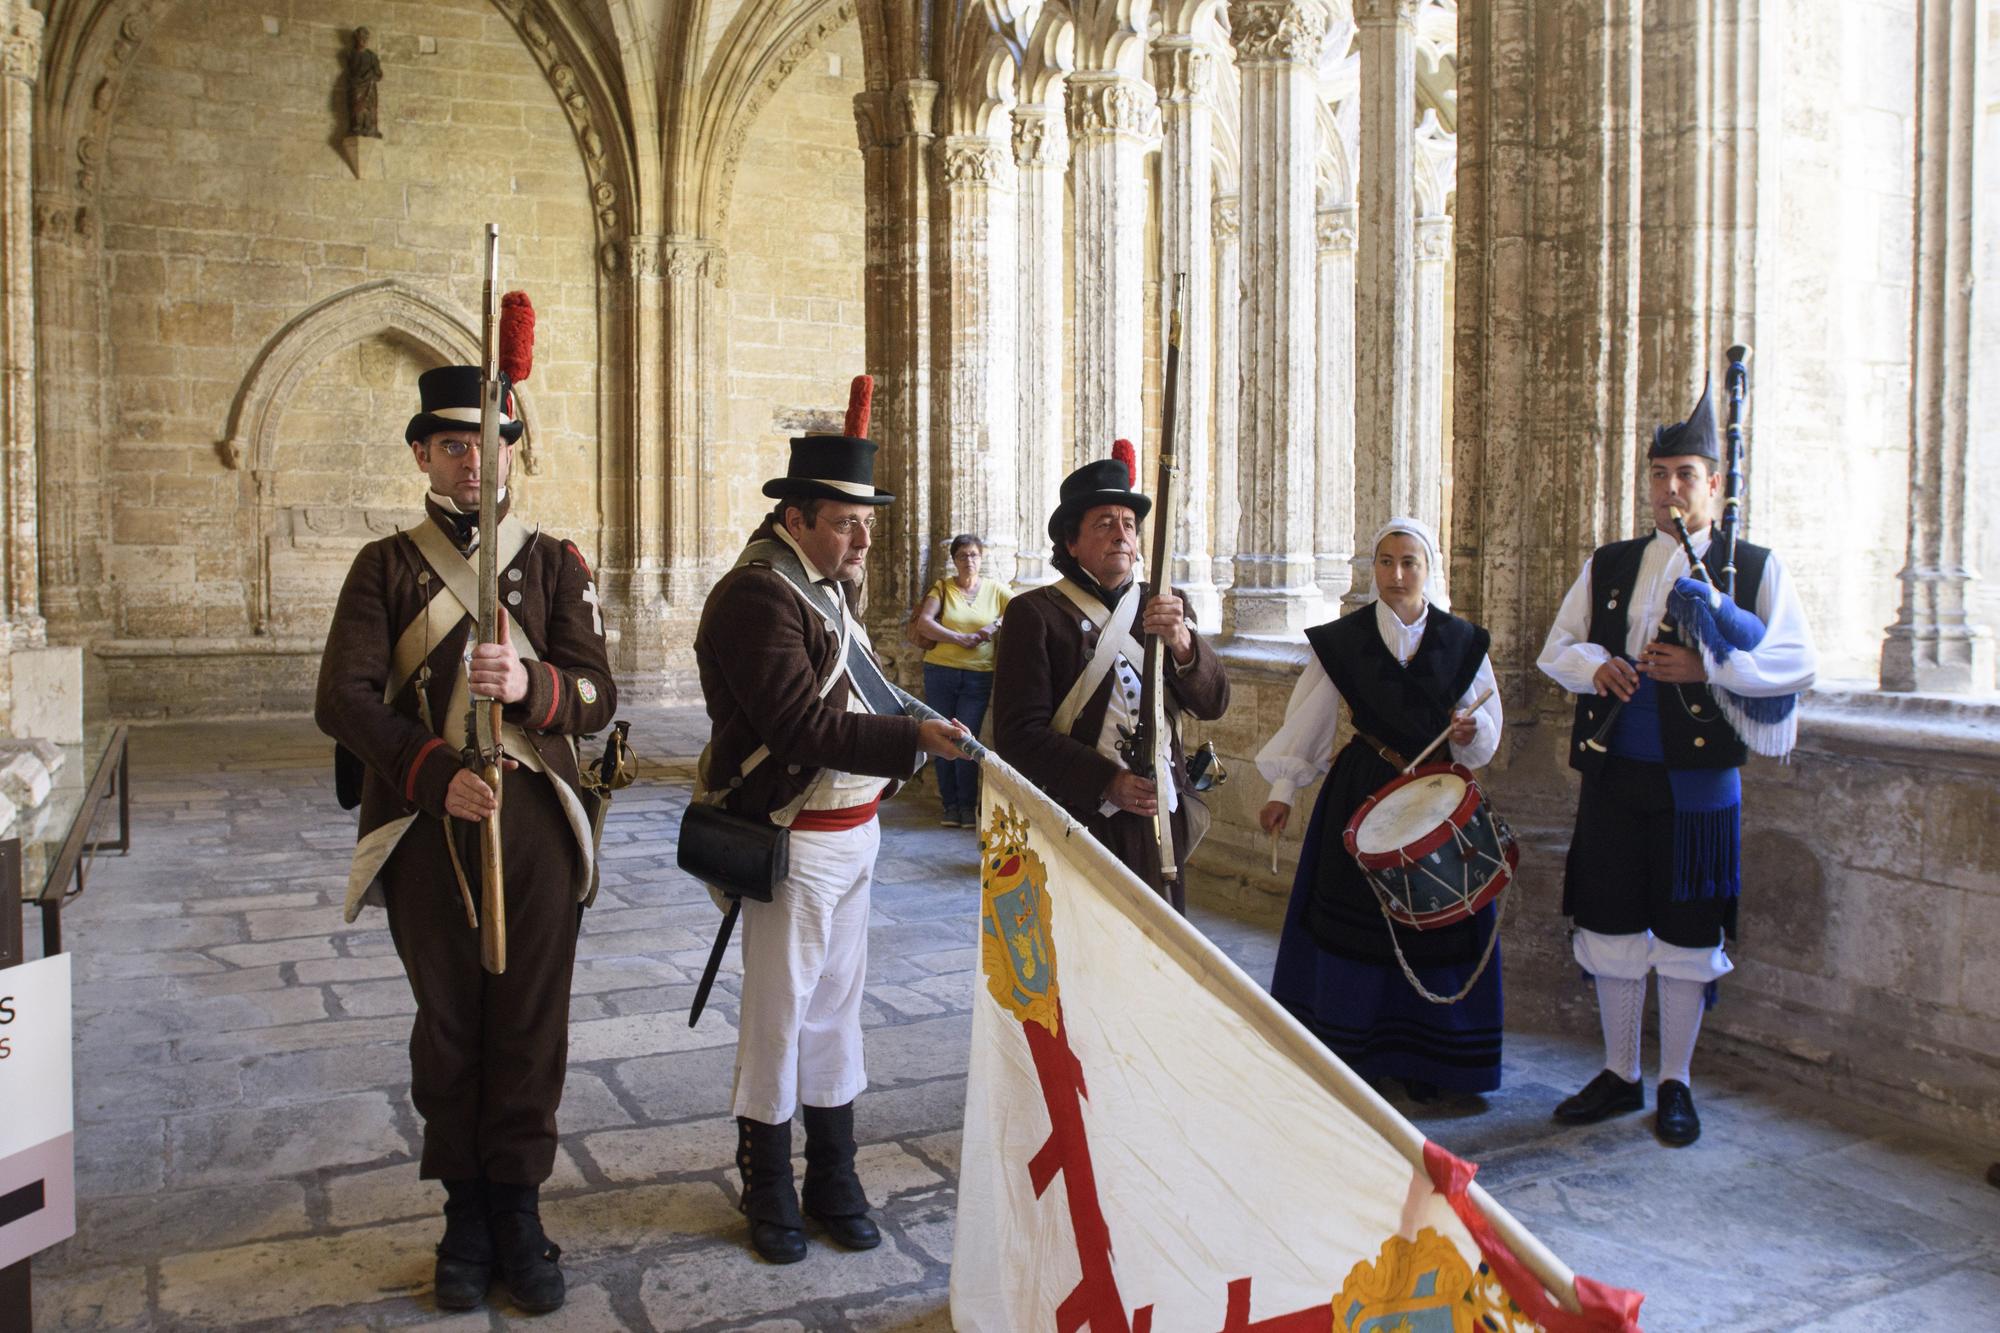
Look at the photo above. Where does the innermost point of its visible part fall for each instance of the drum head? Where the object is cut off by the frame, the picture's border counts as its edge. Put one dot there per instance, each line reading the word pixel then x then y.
pixel 1410 812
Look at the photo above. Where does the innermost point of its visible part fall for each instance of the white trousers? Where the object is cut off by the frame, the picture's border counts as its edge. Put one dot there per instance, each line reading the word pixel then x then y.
pixel 805 963
pixel 1630 957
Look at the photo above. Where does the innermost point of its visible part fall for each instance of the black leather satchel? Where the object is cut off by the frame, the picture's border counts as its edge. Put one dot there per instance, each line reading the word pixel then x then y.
pixel 745 858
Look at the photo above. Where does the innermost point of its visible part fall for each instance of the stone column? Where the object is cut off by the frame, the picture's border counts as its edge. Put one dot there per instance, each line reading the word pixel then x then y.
pixel 1936 644
pixel 1421 494
pixel 1545 384
pixel 1041 159
pixel 688 273
pixel 20 560
pixel 1385 286
pixel 975 392
pixel 1184 71
pixel 1228 228
pixel 896 135
pixel 1111 125
pixel 1277 46
pixel 1333 516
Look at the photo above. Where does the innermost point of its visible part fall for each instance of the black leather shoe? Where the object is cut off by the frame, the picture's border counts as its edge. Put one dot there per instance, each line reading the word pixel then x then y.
pixel 776 1243
pixel 1603 1097
pixel 1675 1121
pixel 528 1258
pixel 465 1255
pixel 1422 1091
pixel 851 1233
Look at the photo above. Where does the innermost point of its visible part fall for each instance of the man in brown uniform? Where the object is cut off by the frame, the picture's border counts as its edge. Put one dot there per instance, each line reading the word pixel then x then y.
pixel 806 733
pixel 1050 720
pixel 487 1052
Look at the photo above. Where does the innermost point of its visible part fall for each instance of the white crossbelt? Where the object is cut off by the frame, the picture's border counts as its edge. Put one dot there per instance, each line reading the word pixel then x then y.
pixel 1115 638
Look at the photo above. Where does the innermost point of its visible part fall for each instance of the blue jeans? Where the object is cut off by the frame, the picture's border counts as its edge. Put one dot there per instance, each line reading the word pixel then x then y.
pixel 962 694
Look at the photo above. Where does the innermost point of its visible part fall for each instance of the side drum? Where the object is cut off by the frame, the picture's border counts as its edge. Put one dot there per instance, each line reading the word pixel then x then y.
pixel 1430 845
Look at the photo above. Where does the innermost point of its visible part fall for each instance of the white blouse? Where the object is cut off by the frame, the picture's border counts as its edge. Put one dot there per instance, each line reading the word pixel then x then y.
pixel 1302 750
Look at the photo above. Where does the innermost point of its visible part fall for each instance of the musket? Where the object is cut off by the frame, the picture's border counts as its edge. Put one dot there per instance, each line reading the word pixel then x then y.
pixel 483 726
pixel 1148 746
pixel 1736 383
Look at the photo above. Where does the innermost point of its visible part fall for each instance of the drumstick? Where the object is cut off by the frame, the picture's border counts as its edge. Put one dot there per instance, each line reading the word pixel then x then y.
pixel 1477 704
pixel 1274 848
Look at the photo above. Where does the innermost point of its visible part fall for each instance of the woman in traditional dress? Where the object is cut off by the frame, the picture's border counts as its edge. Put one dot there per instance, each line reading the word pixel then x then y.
pixel 1406 668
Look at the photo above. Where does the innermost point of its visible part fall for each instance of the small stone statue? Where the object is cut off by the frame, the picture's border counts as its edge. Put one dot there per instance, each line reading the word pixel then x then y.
pixel 364 71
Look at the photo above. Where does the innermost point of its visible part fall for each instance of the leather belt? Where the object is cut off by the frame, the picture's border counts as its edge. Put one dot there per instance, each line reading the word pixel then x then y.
pixel 1389 755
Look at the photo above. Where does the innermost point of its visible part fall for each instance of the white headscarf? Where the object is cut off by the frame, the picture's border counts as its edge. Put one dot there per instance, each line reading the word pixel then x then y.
pixel 1434 592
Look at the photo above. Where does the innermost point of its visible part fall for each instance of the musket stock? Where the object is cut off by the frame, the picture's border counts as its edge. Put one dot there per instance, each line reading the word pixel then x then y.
pixel 1155 739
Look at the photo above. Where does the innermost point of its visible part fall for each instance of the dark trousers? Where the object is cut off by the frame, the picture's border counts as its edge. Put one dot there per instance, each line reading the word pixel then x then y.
pixel 962 694
pixel 488 1053
pixel 1619 876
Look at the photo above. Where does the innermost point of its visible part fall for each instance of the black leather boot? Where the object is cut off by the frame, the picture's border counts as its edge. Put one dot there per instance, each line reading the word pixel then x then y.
pixel 465 1255
pixel 526 1255
pixel 833 1193
pixel 770 1199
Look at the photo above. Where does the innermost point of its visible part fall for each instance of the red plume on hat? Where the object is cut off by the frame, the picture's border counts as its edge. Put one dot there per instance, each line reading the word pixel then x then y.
pixel 1123 452
pixel 860 399
pixel 517 342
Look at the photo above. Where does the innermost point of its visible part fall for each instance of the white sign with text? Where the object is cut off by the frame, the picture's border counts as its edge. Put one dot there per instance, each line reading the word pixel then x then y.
pixel 37 1143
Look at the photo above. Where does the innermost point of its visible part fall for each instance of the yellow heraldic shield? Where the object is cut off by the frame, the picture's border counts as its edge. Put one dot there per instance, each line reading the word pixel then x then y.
pixel 1424 1286
pixel 1017 950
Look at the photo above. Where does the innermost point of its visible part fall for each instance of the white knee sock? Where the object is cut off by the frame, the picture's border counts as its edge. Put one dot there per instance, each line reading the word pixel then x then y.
pixel 1681 1006
pixel 1621 1007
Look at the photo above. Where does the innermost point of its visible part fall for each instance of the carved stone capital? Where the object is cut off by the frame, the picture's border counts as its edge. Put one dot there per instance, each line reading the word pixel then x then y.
pixel 683 260
pixel 913 103
pixel 1433 239
pixel 1334 229
pixel 1102 106
pixel 642 256
pixel 1277 31
pixel 968 159
pixel 871 120
pixel 1183 69
pixel 1039 138
pixel 1226 218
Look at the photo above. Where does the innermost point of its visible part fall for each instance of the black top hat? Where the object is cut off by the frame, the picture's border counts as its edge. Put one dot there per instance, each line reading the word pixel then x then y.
pixel 1107 481
pixel 451 402
pixel 1696 435
pixel 830 467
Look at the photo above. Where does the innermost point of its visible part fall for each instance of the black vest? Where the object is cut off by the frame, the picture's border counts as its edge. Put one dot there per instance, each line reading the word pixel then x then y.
pixel 1404 707
pixel 1693 732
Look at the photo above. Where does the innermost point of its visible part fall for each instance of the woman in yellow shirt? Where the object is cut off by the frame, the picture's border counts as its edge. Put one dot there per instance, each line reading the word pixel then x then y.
pixel 959 616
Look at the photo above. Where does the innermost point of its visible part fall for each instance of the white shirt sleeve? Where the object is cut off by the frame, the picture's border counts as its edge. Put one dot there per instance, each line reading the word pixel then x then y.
pixel 1568 657
pixel 1784 661
pixel 1485 741
pixel 1302 749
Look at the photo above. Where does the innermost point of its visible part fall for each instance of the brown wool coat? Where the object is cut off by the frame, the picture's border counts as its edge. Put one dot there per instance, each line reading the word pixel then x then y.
pixel 1042 649
pixel 408 767
pixel 762 654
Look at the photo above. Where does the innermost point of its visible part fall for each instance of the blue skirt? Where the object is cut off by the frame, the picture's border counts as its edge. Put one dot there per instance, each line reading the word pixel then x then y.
pixel 1369 1016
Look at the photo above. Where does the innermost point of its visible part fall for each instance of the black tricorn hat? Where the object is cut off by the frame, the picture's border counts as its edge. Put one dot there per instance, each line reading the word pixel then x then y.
pixel 1106 481
pixel 1696 435
pixel 451 402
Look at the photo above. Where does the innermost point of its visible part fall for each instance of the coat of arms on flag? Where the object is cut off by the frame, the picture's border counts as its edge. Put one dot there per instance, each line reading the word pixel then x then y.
pixel 1152 1145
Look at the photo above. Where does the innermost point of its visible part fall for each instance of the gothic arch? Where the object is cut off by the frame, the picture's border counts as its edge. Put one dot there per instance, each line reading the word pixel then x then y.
pixel 385 306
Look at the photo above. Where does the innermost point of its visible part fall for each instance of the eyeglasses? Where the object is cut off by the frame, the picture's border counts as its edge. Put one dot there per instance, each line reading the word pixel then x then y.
pixel 455 448
pixel 846 526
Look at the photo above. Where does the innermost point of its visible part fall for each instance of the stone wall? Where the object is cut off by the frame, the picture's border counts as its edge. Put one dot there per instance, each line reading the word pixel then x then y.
pixel 231 211
pixel 794 334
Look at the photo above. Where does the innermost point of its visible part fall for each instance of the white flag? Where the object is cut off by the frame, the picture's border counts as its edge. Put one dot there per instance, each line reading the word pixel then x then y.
pixel 1152 1145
